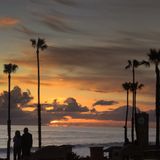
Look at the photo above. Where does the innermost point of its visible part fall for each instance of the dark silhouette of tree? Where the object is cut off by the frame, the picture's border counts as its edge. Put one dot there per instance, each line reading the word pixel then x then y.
pixel 134 87
pixel 8 69
pixel 133 65
pixel 154 57
pixel 39 44
pixel 127 87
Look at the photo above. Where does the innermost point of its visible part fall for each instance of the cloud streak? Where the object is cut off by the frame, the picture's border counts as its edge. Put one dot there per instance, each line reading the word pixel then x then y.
pixel 8 21
pixel 25 30
pixel 104 103
pixel 57 24
pixel 86 68
pixel 68 2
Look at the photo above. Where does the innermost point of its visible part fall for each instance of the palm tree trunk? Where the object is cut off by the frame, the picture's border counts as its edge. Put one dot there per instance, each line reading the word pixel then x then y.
pixel 9 118
pixel 39 105
pixel 157 105
pixel 126 119
pixel 135 110
pixel 133 107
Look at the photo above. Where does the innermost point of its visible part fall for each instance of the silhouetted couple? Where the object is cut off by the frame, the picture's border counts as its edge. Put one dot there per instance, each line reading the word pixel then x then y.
pixel 22 144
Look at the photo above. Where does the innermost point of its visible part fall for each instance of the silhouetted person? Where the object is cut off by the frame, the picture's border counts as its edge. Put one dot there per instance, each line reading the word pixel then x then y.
pixel 17 141
pixel 26 144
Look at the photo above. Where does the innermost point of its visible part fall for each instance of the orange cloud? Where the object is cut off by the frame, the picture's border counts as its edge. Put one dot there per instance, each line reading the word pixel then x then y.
pixel 8 21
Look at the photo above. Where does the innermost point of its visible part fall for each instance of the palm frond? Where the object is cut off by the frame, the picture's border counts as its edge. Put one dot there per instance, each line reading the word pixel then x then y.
pixel 146 63
pixel 14 67
pixel 136 85
pixel 129 64
pixel 126 85
pixel 33 42
pixel 154 56
pixel 43 47
pixel 10 68
pixel 136 63
pixel 40 42
pixel 7 68
pixel 140 86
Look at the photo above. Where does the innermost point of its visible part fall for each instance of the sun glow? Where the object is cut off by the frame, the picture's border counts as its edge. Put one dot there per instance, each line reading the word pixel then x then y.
pixel 55 121
pixel 67 121
pixel 49 108
pixel 28 109
pixel 61 99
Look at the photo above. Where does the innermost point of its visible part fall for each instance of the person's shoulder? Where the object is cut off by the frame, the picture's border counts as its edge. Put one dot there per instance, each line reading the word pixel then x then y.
pixel 30 134
pixel 23 135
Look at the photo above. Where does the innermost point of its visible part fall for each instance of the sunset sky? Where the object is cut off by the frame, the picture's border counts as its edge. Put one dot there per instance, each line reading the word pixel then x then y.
pixel 89 44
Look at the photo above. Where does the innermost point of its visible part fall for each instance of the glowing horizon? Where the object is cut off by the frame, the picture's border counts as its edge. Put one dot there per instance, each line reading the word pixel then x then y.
pixel 88 49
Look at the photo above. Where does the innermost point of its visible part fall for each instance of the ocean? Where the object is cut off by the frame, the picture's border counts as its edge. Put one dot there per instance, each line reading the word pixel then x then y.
pixel 80 137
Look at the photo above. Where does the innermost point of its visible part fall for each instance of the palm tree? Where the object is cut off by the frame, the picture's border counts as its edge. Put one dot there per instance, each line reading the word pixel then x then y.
pixel 39 44
pixel 126 86
pixel 133 65
pixel 154 57
pixel 134 87
pixel 8 69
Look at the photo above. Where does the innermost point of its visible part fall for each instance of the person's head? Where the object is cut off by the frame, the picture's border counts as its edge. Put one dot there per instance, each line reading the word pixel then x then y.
pixel 25 130
pixel 17 133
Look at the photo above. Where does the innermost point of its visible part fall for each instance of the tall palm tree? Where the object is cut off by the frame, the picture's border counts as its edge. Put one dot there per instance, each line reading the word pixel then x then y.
pixel 134 87
pixel 8 69
pixel 126 86
pixel 133 65
pixel 39 44
pixel 154 57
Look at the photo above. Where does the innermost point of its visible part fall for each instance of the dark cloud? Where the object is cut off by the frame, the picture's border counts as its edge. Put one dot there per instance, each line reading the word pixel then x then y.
pixel 93 58
pixel 96 69
pixel 93 110
pixel 104 103
pixel 56 20
pixel 139 38
pixel 70 105
pixel 73 106
pixel 105 60
pixel 18 100
pixel 57 24
pixel 64 2
pixel 32 79
pixel 70 108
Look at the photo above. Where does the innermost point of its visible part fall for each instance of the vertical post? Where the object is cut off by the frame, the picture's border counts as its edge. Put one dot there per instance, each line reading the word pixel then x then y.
pixel 9 118
pixel 133 105
pixel 157 105
pixel 39 105
pixel 126 119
